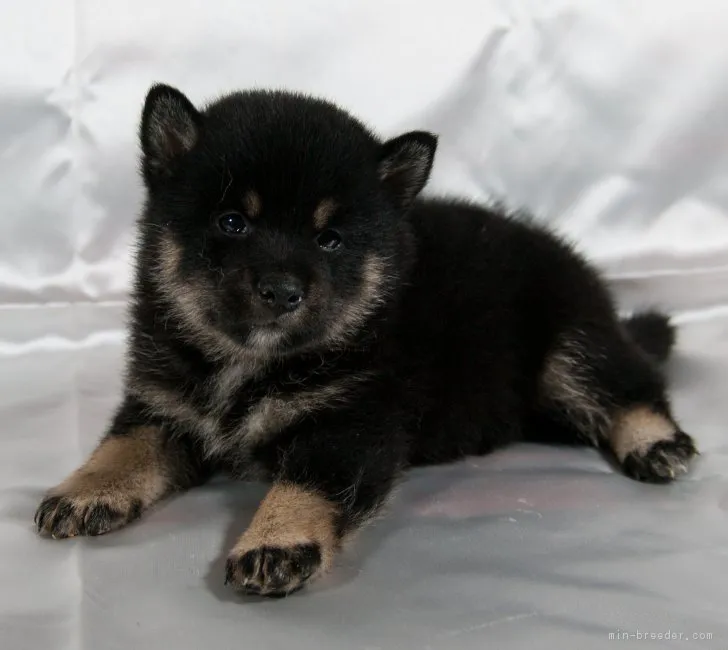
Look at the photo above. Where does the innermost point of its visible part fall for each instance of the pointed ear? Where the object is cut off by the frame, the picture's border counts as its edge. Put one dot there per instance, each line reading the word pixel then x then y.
pixel 405 163
pixel 170 127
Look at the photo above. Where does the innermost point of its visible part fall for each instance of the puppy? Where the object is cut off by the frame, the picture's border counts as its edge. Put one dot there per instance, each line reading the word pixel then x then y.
pixel 300 315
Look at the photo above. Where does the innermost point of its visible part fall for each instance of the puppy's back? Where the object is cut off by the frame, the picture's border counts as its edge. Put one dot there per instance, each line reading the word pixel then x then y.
pixel 484 272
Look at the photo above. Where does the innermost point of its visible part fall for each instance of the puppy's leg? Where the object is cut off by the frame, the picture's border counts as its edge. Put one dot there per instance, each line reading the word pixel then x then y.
pixel 599 385
pixel 293 537
pixel 133 467
pixel 332 478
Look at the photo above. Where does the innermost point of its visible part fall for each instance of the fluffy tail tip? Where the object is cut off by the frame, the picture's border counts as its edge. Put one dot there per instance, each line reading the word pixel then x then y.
pixel 653 332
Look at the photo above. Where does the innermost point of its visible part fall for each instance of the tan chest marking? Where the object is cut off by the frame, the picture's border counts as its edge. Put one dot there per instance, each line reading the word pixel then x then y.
pixel 266 418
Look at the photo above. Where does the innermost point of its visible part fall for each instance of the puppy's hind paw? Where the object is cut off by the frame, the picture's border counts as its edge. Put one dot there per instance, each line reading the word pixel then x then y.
pixel 663 461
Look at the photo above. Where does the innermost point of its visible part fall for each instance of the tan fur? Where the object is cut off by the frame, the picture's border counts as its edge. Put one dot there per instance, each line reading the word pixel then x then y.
pixel 189 300
pixel 123 472
pixel 371 295
pixel 265 342
pixel 562 382
pixel 267 418
pixel 171 405
pixel 291 515
pixel 273 414
pixel 637 429
pixel 323 212
pixel 122 465
pixel 228 381
pixel 253 204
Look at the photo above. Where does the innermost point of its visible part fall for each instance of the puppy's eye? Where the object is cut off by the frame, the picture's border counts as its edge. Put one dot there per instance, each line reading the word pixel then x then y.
pixel 329 240
pixel 233 223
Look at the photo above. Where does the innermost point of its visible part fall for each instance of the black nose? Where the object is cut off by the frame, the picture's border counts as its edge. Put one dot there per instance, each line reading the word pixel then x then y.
pixel 281 293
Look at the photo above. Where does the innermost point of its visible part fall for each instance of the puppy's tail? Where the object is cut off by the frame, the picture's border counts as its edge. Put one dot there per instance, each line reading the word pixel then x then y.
pixel 653 332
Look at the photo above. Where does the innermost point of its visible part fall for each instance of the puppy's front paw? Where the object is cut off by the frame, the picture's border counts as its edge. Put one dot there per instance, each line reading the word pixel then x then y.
pixel 663 461
pixel 291 540
pixel 69 515
pixel 273 571
pixel 126 473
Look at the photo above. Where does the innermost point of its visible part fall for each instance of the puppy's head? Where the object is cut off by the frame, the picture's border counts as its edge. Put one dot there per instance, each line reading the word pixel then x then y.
pixel 276 220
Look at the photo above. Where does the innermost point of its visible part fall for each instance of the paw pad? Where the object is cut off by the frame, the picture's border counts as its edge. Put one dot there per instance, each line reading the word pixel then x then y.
pixel 273 571
pixel 664 461
pixel 65 516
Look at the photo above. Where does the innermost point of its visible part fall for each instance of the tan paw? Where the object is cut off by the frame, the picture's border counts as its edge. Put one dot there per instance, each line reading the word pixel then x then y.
pixel 291 540
pixel 273 571
pixel 123 476
pixel 663 461
pixel 62 516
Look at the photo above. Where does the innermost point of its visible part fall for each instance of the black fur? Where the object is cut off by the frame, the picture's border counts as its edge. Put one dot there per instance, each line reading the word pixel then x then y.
pixel 653 332
pixel 444 328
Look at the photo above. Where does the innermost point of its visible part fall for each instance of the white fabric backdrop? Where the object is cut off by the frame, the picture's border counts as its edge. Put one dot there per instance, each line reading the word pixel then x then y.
pixel 609 119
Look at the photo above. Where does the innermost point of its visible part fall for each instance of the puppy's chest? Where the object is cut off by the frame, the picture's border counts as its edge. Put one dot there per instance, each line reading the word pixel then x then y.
pixel 232 411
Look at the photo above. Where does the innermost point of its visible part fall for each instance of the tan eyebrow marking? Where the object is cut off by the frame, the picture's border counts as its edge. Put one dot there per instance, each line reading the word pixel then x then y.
pixel 323 212
pixel 253 203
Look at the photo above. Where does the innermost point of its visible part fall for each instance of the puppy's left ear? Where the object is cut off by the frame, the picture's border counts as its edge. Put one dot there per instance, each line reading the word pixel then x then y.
pixel 169 128
pixel 405 163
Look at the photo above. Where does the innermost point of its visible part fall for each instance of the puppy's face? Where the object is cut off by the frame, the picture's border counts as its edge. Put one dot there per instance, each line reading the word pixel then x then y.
pixel 276 218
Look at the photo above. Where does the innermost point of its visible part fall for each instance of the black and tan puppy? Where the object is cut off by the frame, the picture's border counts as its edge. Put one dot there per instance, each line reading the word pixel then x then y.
pixel 300 315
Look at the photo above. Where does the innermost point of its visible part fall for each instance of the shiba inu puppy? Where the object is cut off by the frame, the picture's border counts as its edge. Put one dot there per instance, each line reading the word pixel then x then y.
pixel 301 315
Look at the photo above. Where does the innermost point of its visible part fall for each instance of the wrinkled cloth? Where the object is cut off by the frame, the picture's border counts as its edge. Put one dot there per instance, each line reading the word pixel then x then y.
pixel 608 120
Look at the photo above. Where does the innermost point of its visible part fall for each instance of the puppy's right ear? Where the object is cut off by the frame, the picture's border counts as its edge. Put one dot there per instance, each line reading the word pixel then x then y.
pixel 170 127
